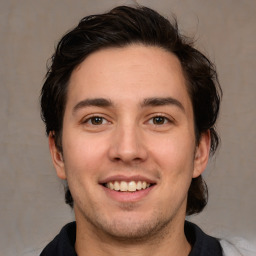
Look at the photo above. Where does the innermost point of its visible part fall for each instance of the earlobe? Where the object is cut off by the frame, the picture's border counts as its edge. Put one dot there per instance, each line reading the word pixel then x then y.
pixel 202 154
pixel 57 157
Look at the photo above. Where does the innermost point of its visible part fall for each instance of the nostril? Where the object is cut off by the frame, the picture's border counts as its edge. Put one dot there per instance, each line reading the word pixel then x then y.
pixel 128 159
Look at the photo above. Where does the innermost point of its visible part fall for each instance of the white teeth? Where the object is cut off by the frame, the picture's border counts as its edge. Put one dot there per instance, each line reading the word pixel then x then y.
pixel 127 186
pixel 132 186
pixel 123 186
pixel 116 186
pixel 139 185
pixel 111 185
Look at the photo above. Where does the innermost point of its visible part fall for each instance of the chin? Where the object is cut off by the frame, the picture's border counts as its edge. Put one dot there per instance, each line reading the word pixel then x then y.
pixel 131 229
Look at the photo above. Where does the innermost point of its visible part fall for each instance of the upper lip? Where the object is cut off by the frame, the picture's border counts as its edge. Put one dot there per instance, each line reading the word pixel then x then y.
pixel 127 179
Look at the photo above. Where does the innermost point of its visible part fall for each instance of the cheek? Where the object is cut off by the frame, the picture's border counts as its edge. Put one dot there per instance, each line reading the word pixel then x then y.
pixel 83 160
pixel 83 154
pixel 173 152
pixel 175 160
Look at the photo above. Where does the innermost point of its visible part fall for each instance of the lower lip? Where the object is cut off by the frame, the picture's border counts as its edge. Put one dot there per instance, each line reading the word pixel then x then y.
pixel 127 196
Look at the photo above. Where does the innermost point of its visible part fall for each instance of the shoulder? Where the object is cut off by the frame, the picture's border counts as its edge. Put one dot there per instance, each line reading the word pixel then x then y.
pixel 238 246
pixel 202 244
pixel 63 243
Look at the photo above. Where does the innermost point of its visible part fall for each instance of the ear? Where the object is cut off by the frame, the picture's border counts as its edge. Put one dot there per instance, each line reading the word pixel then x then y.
pixel 57 158
pixel 202 154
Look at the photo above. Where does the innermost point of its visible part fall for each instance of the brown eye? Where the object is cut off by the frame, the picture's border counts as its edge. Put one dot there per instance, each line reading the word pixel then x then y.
pixel 158 120
pixel 96 120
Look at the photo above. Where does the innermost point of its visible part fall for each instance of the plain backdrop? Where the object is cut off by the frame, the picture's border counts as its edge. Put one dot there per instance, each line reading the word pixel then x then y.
pixel 31 196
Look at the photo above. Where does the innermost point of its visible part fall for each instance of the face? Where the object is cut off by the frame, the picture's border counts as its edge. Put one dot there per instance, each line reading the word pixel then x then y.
pixel 129 150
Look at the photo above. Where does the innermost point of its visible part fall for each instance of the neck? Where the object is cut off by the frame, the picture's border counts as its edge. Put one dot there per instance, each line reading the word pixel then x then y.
pixel 170 240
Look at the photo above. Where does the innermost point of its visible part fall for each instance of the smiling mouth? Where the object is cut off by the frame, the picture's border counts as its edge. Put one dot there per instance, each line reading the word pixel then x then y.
pixel 131 186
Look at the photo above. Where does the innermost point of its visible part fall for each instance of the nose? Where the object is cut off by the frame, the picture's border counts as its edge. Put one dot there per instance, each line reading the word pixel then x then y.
pixel 127 145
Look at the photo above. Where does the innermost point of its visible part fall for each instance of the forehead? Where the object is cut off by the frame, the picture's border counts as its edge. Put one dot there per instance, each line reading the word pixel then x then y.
pixel 135 71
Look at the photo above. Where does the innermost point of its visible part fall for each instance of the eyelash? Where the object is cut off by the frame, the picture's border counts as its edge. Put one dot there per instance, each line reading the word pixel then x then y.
pixel 165 119
pixel 89 120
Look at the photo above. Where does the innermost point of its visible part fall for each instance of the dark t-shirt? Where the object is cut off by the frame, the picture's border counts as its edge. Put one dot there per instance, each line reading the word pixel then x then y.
pixel 202 244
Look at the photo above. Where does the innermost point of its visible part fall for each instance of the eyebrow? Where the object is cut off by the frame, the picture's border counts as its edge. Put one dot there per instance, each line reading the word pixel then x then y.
pixel 162 102
pixel 97 102
pixel 102 102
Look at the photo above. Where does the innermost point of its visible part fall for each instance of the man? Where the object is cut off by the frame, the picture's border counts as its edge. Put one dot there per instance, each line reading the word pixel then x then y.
pixel 130 109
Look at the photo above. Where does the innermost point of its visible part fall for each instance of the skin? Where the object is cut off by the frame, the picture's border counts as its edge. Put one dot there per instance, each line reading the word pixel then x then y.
pixel 124 136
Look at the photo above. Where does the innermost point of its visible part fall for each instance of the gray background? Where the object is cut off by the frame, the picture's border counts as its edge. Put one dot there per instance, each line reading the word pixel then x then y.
pixel 31 197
